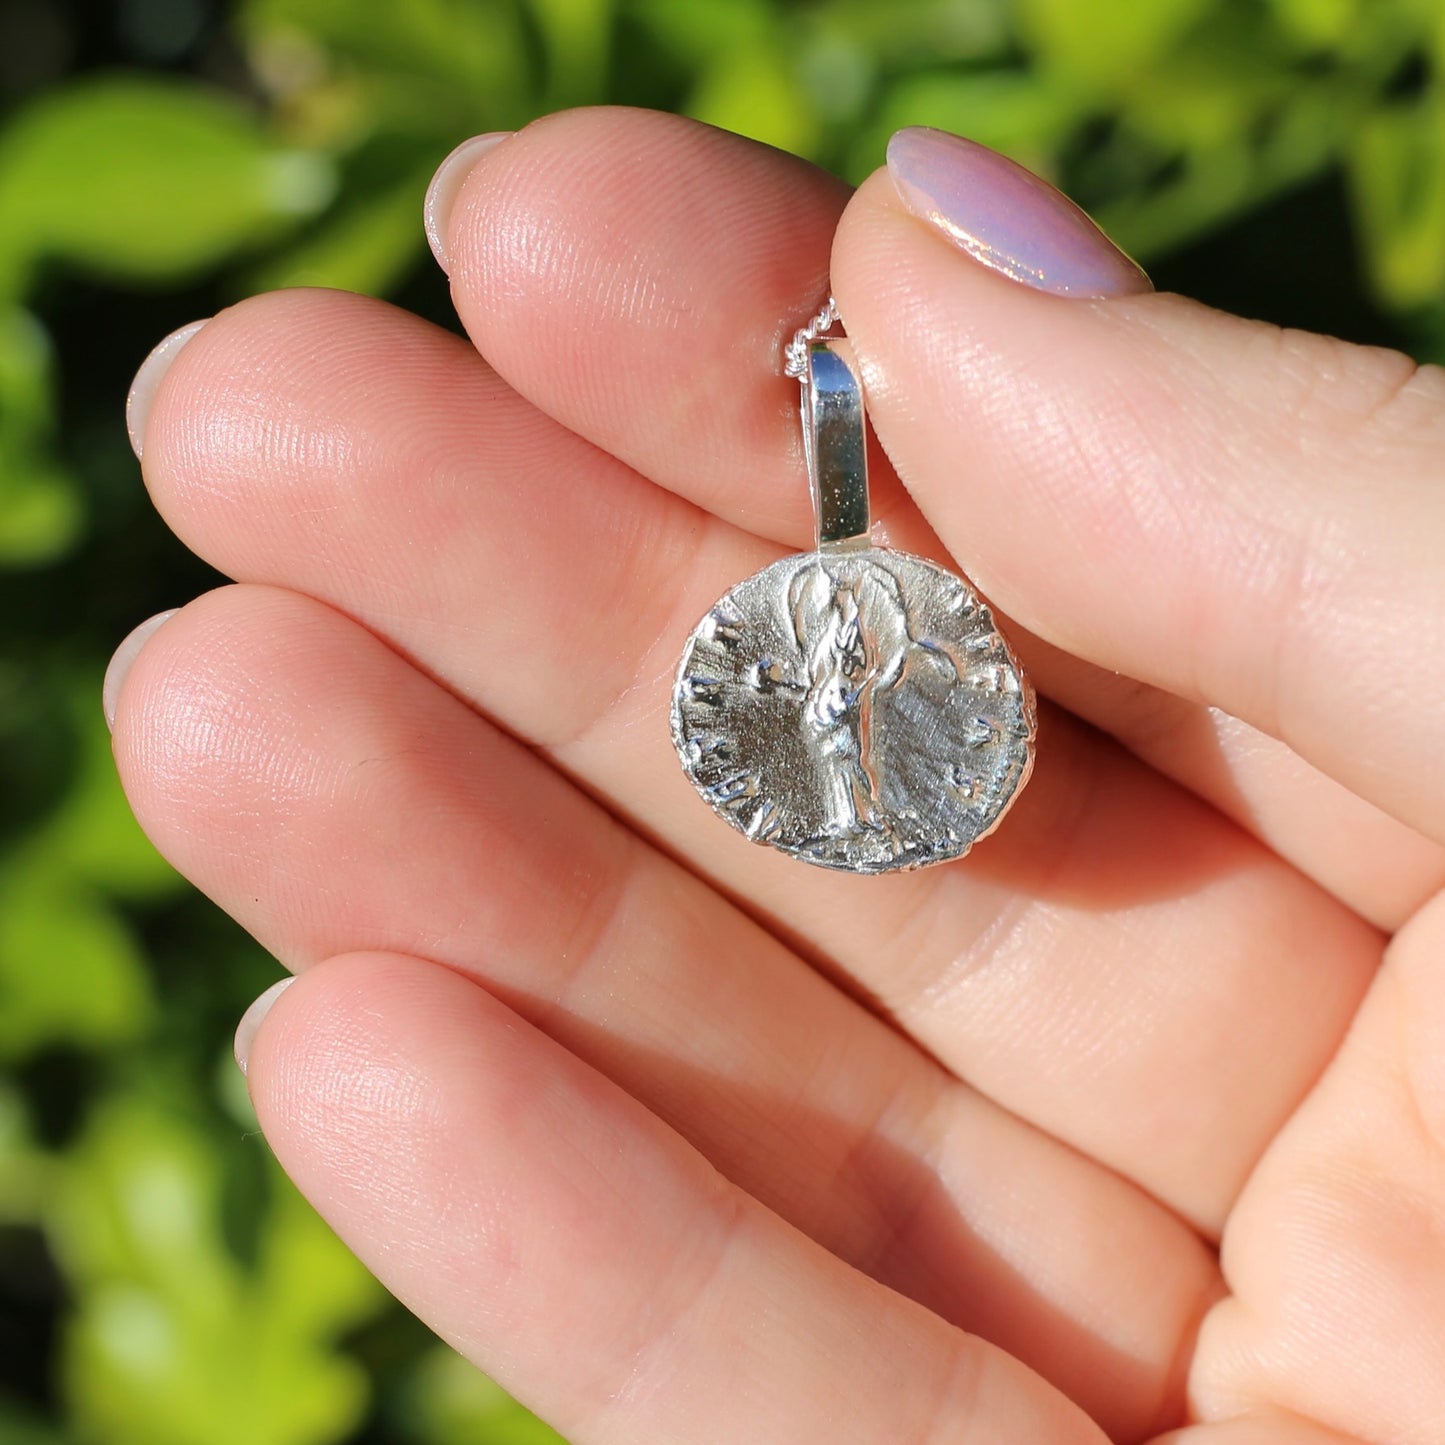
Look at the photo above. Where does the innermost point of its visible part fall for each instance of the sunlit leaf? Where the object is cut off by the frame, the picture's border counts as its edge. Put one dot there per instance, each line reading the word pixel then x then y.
pixel 92 834
pixel 577 35
pixel 756 94
pixel 41 513
pixel 27 375
pixel 837 75
pixel 173 1340
pixel 906 34
pixel 25 1170
pixel 1105 44
pixel 478 48
pixel 1190 102
pixel 307 1282
pixel 1316 24
pixel 70 969
pixel 146 179
pixel 1397 172
pixel 365 246
pixel 449 1402
pixel 697 34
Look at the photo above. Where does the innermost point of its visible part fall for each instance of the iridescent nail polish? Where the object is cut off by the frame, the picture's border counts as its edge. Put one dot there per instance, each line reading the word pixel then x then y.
pixel 1007 218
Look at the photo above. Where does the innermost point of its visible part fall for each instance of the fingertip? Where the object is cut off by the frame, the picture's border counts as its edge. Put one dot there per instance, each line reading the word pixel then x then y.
pixel 123 659
pixel 251 1021
pixel 446 185
pixel 147 382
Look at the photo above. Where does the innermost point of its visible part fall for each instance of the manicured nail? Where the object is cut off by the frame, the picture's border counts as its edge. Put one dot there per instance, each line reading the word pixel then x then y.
pixel 124 656
pixel 148 379
pixel 441 194
pixel 1006 217
pixel 254 1017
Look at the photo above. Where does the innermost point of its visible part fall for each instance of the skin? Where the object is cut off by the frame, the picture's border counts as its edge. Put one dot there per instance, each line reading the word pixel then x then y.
pixel 1127 1127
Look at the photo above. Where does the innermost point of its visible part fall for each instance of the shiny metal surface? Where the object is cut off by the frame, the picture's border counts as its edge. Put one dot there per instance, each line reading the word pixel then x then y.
pixel 835 444
pixel 852 707
pixel 855 709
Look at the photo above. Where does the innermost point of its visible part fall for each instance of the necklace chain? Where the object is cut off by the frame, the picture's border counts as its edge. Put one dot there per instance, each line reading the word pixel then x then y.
pixel 795 353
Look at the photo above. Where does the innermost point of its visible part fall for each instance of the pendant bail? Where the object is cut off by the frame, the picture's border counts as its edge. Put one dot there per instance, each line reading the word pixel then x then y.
pixel 835 444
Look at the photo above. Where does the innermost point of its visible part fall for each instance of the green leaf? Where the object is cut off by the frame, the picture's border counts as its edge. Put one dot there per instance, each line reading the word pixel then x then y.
pixel 931 33
pixel 70 969
pixel 449 1402
pixel 475 50
pixel 1318 24
pixel 173 1341
pixel 1105 45
pixel 1189 103
pixel 21 1427
pixel 308 1283
pixel 40 507
pixel 837 76
pixel 27 378
pixel 41 515
pixel 577 36
pixel 755 92
pixel 25 1170
pixel 92 835
pixel 1397 176
pixel 146 179
pixel 695 34
pixel 365 246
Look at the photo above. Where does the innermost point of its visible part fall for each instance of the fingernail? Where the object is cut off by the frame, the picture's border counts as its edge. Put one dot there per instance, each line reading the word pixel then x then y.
pixel 254 1017
pixel 148 379
pixel 1006 217
pixel 122 660
pixel 441 194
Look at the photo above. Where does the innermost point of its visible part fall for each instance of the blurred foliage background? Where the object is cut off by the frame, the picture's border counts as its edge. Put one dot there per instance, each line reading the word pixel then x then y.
pixel 159 1281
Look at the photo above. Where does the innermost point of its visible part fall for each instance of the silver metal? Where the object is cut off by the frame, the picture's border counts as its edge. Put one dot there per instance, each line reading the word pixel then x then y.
pixel 854 707
pixel 835 445
pixel 795 353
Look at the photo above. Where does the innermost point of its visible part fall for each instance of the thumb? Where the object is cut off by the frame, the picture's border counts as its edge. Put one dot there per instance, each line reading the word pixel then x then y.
pixel 1248 517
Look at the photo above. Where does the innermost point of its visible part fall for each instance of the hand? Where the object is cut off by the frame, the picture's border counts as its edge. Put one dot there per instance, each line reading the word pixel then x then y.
pixel 682 1140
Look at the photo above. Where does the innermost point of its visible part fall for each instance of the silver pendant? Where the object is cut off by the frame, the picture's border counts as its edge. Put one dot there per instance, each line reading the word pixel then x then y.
pixel 854 707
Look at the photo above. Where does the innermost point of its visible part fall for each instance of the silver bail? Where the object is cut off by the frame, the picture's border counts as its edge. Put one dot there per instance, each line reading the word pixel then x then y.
pixel 835 444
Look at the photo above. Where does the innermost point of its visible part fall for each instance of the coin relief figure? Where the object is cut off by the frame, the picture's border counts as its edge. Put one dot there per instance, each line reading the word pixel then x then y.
pixel 855 709
pixel 853 633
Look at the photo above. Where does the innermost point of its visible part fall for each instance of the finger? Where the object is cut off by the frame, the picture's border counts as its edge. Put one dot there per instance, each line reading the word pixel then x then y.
pixel 1246 517
pixel 1336 1249
pixel 1377 866
pixel 1110 966
pixel 516 1199
pixel 698 252
pixel 332 799
pixel 692 254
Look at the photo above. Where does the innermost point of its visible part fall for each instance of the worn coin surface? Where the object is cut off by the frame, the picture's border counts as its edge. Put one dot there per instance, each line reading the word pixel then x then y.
pixel 856 709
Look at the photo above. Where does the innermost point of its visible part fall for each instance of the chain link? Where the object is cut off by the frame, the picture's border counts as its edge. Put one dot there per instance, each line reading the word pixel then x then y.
pixel 795 353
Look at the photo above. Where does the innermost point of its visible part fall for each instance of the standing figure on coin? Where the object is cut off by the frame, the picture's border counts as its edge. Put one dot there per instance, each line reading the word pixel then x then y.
pixel 852 630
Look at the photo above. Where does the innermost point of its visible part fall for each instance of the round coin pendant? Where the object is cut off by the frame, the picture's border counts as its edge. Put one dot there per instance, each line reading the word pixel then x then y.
pixel 854 707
